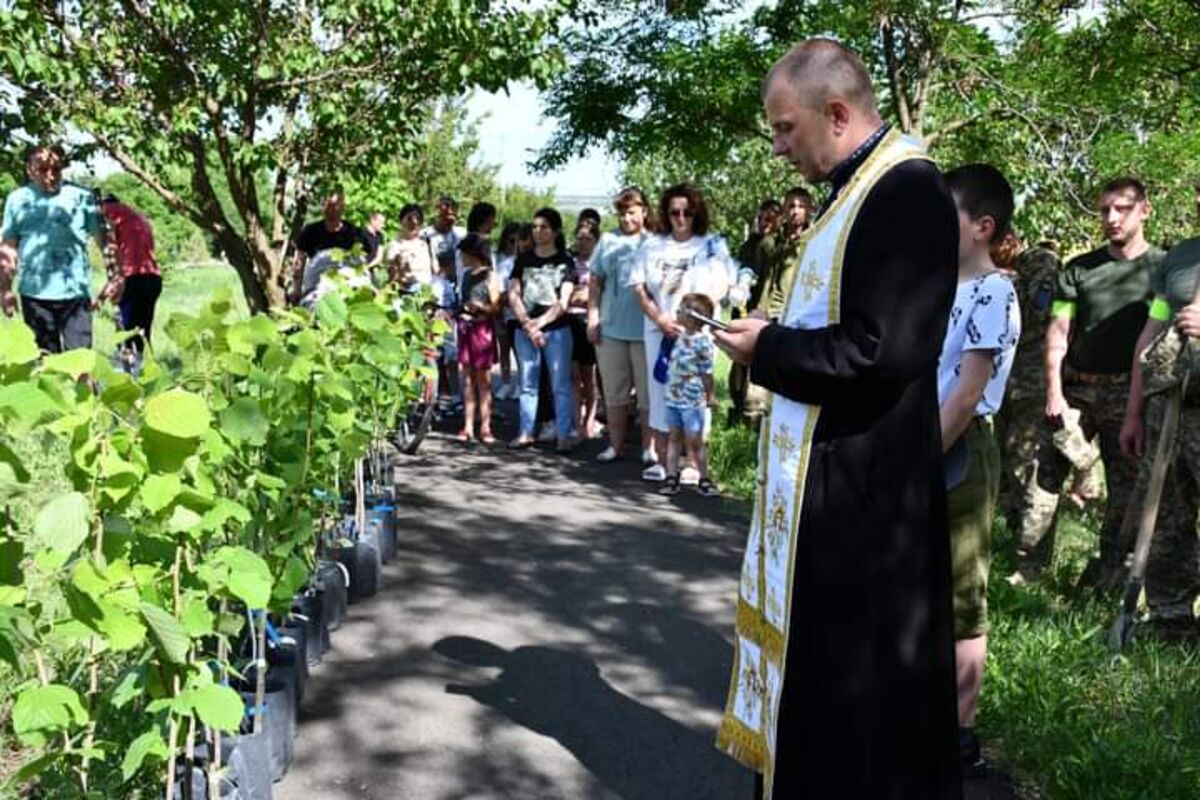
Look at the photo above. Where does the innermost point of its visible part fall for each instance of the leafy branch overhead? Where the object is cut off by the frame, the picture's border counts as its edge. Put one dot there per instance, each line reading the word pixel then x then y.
pixel 1061 96
pixel 196 97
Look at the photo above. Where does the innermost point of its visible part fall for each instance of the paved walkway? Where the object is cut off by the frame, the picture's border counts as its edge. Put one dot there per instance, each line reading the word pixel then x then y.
pixel 549 630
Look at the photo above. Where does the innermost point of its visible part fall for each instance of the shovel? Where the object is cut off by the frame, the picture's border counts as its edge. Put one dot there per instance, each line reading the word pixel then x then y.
pixel 1118 634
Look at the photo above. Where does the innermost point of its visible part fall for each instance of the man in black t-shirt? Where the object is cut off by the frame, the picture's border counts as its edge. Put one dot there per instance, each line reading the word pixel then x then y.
pixel 1100 303
pixel 325 234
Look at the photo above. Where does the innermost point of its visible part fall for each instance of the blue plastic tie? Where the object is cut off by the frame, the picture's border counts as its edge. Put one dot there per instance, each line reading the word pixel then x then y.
pixel 384 507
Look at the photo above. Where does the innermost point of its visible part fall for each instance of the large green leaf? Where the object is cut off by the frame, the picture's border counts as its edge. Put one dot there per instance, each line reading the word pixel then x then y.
pixel 248 577
pixel 26 402
pixel 332 312
pixel 244 421
pixel 217 705
pixel 168 634
pixel 73 362
pixel 17 345
pixel 44 710
pixel 178 413
pixel 158 491
pixel 150 743
pixel 16 631
pixel 14 477
pixel 62 524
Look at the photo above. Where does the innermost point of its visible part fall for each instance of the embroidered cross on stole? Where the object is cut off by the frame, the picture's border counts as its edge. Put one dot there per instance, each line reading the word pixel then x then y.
pixel 749 725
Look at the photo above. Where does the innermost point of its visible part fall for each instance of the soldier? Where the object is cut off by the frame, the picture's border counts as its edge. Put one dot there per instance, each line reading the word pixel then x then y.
pixel 1098 309
pixel 1173 570
pixel 1020 425
pixel 779 259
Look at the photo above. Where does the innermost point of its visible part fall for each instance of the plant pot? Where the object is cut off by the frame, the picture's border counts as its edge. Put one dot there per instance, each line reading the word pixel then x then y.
pixel 290 656
pixel 279 720
pixel 307 611
pixel 245 767
pixel 366 555
pixel 385 513
pixel 333 585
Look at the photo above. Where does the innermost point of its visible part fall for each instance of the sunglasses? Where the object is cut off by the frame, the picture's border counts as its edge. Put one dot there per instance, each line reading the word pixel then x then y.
pixel 681 213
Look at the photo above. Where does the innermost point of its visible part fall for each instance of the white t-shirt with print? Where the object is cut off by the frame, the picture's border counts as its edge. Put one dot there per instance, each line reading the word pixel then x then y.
pixel 671 269
pixel 985 316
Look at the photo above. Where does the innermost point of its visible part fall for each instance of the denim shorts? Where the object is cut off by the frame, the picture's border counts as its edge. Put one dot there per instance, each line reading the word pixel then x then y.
pixel 690 420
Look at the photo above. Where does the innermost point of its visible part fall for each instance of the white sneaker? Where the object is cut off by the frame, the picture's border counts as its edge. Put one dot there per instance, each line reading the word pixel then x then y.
pixel 548 433
pixel 607 454
pixel 648 456
pixel 688 476
pixel 655 472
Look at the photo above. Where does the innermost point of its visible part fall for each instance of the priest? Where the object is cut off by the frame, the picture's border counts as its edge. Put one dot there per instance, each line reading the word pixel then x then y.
pixel 843 682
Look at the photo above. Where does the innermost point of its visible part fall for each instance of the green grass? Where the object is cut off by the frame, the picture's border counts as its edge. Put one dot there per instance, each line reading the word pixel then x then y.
pixel 1060 710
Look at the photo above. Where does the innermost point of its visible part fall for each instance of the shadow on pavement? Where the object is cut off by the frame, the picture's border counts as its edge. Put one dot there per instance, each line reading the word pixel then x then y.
pixel 636 752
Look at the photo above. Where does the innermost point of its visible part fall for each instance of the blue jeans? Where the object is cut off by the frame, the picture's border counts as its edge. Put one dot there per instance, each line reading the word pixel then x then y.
pixel 557 352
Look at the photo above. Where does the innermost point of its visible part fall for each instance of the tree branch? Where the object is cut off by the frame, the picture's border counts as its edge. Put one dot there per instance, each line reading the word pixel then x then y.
pixel 895 78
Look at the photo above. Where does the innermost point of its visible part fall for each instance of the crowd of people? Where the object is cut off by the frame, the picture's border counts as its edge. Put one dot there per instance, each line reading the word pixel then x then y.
pixel 911 367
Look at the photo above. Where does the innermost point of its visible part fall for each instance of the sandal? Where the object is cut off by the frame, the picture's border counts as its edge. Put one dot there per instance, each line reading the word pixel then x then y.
pixel 707 488
pixel 464 436
pixel 670 485
pixel 487 438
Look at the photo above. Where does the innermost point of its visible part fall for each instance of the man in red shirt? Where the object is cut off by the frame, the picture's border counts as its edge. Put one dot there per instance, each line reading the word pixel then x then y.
pixel 139 281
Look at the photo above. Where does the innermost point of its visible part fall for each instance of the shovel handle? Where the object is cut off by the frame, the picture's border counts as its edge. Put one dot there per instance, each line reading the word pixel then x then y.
pixel 1158 477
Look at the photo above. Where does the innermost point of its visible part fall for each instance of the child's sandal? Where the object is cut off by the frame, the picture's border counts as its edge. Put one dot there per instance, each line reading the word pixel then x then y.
pixel 707 488
pixel 670 485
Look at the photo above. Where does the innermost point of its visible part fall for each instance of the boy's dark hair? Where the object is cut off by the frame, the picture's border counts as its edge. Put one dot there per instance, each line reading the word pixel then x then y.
pixel 409 208
pixel 769 205
pixel 695 202
pixel 479 214
pixel 803 194
pixel 46 149
pixel 554 220
pixel 476 245
pixel 589 213
pixel 698 302
pixel 982 191
pixel 1126 183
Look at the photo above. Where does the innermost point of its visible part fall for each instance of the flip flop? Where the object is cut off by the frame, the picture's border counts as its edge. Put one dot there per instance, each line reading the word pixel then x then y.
pixel 464 436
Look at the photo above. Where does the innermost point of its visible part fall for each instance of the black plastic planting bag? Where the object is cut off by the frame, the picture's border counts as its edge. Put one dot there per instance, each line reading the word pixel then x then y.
pixel 307 610
pixel 381 516
pixel 250 766
pixel 279 722
pixel 288 659
pixel 332 583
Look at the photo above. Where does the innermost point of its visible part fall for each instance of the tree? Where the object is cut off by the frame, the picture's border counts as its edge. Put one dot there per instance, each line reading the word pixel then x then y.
pixel 190 96
pixel 1058 99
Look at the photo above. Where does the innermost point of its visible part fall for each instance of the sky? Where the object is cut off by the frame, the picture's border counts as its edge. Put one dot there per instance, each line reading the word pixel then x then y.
pixel 513 130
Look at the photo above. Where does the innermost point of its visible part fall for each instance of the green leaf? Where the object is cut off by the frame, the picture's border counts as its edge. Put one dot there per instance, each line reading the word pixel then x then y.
pixel 217 706
pixel 73 362
pixel 27 403
pixel 150 743
pixel 332 312
pixel 368 317
pixel 62 524
pixel 158 491
pixel 244 422
pixel 178 413
pixel 198 619
pixel 16 631
pixel 183 520
pixel 166 453
pixel 249 577
pixel 131 686
pixel 168 634
pixel 43 710
pixel 17 345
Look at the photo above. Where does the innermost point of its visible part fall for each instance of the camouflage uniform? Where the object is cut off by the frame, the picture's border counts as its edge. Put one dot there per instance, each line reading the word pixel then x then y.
pixel 1030 502
pixel 1173 569
pixel 779 259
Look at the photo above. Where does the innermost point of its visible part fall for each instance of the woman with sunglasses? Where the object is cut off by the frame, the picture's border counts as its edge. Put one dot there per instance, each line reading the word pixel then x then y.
pixel 684 259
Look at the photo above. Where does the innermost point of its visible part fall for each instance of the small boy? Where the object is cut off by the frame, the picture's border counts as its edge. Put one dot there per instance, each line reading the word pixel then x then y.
pixel 689 395
pixel 445 292
pixel 977 356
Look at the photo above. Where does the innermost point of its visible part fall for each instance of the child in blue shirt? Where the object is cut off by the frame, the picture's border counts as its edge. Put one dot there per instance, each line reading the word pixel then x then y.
pixel 689 394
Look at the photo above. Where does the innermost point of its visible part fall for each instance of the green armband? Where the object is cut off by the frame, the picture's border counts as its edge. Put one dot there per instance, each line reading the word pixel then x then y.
pixel 1160 310
pixel 1063 309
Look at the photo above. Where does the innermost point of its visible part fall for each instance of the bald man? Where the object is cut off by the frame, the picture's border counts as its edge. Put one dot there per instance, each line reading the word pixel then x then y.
pixel 843 683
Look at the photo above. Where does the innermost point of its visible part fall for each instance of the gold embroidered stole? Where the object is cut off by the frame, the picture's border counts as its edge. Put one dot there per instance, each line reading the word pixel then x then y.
pixel 749 725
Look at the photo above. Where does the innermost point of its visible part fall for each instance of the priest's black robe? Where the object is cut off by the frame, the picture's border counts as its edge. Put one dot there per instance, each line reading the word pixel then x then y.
pixel 868 706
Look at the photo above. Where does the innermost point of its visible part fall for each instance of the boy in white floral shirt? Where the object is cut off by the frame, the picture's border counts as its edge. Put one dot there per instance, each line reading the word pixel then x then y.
pixel 689 394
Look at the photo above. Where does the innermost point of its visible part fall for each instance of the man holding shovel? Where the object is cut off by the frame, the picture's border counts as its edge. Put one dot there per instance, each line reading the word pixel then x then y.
pixel 1100 303
pixel 1172 572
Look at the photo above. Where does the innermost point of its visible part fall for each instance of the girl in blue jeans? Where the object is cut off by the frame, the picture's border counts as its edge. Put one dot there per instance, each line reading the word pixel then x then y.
pixel 539 290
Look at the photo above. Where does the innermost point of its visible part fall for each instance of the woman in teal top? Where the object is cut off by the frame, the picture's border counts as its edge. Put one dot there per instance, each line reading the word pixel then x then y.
pixel 616 324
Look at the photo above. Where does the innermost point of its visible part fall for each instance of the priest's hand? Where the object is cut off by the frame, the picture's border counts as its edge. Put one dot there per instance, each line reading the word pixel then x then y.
pixel 1188 320
pixel 740 340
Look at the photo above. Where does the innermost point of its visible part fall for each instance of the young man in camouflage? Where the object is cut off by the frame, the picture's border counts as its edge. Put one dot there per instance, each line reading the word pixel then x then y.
pixel 1021 425
pixel 1173 570
pixel 1099 308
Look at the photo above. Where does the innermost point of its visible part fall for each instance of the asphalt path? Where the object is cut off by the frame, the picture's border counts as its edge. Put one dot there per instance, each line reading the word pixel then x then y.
pixel 551 628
